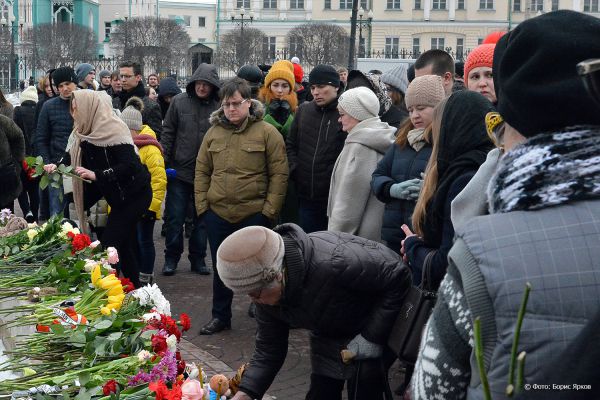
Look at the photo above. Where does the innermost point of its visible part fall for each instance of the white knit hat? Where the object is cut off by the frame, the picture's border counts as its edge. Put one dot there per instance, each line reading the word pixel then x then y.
pixel 29 94
pixel 250 259
pixel 360 103
pixel 396 77
pixel 295 60
pixel 426 90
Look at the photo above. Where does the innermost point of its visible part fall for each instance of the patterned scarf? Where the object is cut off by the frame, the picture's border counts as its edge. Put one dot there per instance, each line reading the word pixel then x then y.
pixel 548 170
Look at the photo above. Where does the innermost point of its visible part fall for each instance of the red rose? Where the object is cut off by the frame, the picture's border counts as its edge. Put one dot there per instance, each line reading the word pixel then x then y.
pixel 171 326
pixel 127 285
pixel 160 388
pixel 159 344
pixel 185 321
pixel 109 387
pixel 80 242
pixel 178 355
pixel 70 235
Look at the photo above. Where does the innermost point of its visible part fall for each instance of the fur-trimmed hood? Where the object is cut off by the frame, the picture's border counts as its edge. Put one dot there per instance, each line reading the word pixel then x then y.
pixel 257 112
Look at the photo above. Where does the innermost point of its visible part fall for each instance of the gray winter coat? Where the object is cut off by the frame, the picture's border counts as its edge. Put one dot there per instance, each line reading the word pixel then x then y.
pixel 186 123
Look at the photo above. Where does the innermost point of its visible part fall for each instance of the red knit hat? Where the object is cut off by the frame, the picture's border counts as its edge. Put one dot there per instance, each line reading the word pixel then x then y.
pixel 481 56
pixel 493 37
pixel 298 73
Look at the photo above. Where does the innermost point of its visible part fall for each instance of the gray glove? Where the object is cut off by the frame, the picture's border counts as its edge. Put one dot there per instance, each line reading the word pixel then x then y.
pixel 407 190
pixel 363 349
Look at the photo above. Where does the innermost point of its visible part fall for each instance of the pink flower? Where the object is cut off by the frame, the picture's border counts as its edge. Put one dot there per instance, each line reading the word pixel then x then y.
pixel 94 244
pixel 113 255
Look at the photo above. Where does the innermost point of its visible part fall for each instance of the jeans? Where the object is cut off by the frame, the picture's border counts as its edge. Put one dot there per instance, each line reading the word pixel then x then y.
pixel 145 242
pixel 312 215
pixel 29 197
pixel 55 204
pixel 179 194
pixel 44 212
pixel 218 229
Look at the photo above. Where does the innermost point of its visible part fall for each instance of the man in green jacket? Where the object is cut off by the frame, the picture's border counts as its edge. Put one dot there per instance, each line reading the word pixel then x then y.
pixel 240 180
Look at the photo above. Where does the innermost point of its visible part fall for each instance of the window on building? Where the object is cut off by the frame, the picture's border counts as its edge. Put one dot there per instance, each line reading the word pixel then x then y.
pixel 243 3
pixel 295 46
pixel 327 5
pixel 479 41
pixel 393 4
pixel 460 48
pixel 554 5
pixel 438 5
pixel 365 4
pixel 187 20
pixel 201 40
pixel 392 47
pixel 269 3
pixel 437 43
pixel 296 4
pixel 345 4
pixel 536 5
pixel 269 45
pixel 517 5
pixel 417 4
pixel 590 5
pixel 486 4
pixel 416 47
pixel 201 22
pixel 107 28
pixel 460 4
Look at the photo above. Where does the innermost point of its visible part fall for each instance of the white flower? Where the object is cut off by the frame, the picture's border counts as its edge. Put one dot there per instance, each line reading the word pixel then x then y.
pixel 144 355
pixel 172 343
pixel 147 317
pixel 31 234
pixel 76 231
pixel 94 244
pixel 90 265
pixel 32 225
pixel 153 297
pixel 67 227
pixel 113 255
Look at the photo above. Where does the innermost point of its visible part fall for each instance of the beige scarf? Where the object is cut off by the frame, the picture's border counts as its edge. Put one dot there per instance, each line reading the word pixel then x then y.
pixel 94 122
pixel 416 139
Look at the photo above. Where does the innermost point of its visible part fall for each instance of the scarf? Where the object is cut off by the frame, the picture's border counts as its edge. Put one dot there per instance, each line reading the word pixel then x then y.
pixel 416 139
pixel 142 140
pixel 94 122
pixel 547 170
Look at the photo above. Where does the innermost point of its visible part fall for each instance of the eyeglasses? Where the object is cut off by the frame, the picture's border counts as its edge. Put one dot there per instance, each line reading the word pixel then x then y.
pixel 233 104
pixel 127 76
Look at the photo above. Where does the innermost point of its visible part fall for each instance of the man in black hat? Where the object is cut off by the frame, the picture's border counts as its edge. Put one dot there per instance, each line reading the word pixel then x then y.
pixel 313 144
pixel 53 129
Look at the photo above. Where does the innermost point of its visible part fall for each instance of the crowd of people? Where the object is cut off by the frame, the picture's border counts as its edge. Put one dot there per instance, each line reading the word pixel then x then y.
pixel 326 197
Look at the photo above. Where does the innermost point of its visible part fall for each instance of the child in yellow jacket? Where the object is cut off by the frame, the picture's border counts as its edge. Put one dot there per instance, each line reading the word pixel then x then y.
pixel 151 155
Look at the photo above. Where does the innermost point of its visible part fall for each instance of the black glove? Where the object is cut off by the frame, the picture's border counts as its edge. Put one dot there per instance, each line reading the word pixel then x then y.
pixel 149 215
pixel 279 110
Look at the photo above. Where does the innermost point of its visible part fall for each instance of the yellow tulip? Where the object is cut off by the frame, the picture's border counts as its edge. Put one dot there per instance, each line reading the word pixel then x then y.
pixel 116 298
pixel 108 282
pixel 96 275
pixel 115 291
pixel 105 311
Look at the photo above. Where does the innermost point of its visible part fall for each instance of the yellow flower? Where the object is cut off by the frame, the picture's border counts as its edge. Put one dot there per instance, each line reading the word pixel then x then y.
pixel 117 299
pixel 31 234
pixel 96 275
pixel 105 311
pixel 108 282
pixel 115 291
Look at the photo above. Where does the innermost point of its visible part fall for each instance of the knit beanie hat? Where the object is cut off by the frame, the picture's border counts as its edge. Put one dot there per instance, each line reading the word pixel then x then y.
pixel 82 70
pixel 103 74
pixel 426 90
pixel 250 258
pixel 324 75
pixel 63 74
pixel 295 60
pixel 29 94
pixel 481 56
pixel 360 103
pixel 132 113
pixel 396 77
pixel 298 73
pixel 251 73
pixel 282 69
pixel 535 74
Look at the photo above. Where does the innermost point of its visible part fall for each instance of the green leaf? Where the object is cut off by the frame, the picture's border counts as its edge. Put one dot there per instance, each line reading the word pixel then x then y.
pixel 115 336
pixel 77 339
pixel 103 324
pixel 15 249
pixel 84 378
pixel 61 167
pixel 44 182
pixel 58 329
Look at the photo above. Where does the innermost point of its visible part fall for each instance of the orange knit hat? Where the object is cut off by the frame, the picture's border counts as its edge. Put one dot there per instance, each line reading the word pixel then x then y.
pixel 282 69
pixel 481 56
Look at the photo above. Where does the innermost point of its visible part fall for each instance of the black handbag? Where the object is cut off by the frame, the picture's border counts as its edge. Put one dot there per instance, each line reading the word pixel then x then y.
pixel 405 336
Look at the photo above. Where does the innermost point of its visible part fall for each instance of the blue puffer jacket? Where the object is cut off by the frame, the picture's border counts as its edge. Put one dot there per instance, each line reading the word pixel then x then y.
pixel 53 129
pixel 398 165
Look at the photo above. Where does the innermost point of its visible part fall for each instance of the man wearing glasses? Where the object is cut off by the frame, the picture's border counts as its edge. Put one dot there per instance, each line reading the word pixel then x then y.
pixel 132 84
pixel 241 180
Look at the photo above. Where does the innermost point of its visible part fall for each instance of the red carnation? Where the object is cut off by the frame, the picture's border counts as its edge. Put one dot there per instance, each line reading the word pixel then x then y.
pixel 127 285
pixel 162 392
pixel 159 344
pixel 109 387
pixel 70 235
pixel 80 242
pixel 175 393
pixel 185 321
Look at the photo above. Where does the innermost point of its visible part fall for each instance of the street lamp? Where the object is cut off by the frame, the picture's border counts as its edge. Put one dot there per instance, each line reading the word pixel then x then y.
pixel 366 24
pixel 241 22
pixel 12 70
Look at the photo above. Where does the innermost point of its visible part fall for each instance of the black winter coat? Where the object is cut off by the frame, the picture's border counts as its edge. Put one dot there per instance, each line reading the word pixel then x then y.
pixel 398 165
pixel 24 117
pixel 186 123
pixel 120 175
pixel 151 115
pixel 313 144
pixel 54 127
pixel 336 285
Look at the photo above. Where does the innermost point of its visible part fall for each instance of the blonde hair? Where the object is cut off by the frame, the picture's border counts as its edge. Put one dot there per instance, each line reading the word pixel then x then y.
pixel 265 95
pixel 407 126
pixel 431 173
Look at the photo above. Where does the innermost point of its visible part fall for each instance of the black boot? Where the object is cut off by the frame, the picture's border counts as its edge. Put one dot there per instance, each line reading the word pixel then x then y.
pixel 170 267
pixel 200 267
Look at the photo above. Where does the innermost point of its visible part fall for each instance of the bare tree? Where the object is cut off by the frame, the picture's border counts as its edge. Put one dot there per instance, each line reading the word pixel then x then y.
pixel 162 43
pixel 236 49
pixel 53 45
pixel 319 43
